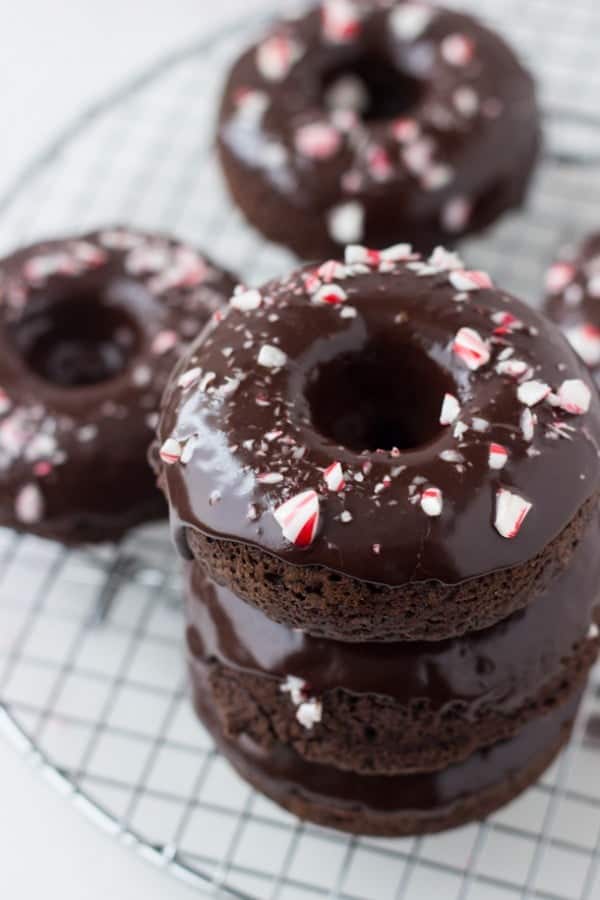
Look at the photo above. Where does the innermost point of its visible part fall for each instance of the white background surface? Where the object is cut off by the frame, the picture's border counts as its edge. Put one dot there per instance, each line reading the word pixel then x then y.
pixel 55 58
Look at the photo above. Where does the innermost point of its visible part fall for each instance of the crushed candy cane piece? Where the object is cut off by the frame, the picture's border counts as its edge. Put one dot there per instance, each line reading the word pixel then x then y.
pixel 331 270
pixel 585 341
pixel 341 21
pixel 574 396
pixel 189 378
pixel 164 341
pixel 330 293
pixel 559 276
pixel 498 456
pixel 432 502
pixel 246 301
pixel 471 348
pixel 318 140
pixel 450 410
pixel 170 452
pixel 346 222
pixel 513 368
pixel 269 477
pixel 276 56
pixel 334 477
pixel 464 280
pixel 457 49
pixel 506 323
pixel 408 21
pixel 456 214
pixel 310 713
pixel 297 688
pixel 533 392
pixel 299 518
pixel 271 357
pixel 29 504
pixel 527 423
pixel 511 511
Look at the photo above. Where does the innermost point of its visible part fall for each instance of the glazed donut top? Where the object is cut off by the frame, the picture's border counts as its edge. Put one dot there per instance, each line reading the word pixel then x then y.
pixel 573 298
pixel 389 418
pixel 357 98
pixel 90 328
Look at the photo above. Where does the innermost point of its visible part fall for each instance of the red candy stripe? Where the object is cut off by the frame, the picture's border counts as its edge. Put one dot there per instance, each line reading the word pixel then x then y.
pixel 299 518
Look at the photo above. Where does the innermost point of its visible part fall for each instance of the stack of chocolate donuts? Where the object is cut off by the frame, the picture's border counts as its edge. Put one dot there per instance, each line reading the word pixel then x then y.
pixel 384 476
pixel 382 471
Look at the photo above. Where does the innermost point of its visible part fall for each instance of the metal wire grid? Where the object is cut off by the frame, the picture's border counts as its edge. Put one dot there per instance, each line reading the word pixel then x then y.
pixel 98 702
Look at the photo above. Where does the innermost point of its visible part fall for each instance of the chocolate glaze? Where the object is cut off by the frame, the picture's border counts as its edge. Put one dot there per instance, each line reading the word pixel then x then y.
pixel 500 666
pixel 286 770
pixel 396 327
pixel 445 142
pixel 573 299
pixel 91 328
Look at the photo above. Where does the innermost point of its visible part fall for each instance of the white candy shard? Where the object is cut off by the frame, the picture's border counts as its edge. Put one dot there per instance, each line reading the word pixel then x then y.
pixel 310 713
pixel 271 357
pixel 464 280
pixel 334 477
pixel 408 21
pixel 299 518
pixel 450 410
pixel 246 301
pixel 29 504
pixel 346 222
pixel 532 392
pixel 432 501
pixel 574 396
pixel 511 510
pixel 585 341
pixel 170 452
pixel 471 348
pixel 276 56
pixel 498 456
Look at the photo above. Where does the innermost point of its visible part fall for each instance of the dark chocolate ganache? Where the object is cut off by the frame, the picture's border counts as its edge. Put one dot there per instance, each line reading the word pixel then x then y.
pixel 503 665
pixel 91 329
pixel 573 299
pixel 425 791
pixel 390 418
pixel 375 121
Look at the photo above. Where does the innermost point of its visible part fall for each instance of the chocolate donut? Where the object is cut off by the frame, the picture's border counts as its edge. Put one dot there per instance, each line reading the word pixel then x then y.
pixel 369 120
pixel 401 804
pixel 396 707
pixel 573 299
pixel 385 449
pixel 91 327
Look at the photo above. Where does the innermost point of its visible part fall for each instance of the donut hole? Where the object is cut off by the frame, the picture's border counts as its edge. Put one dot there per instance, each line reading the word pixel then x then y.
pixel 373 88
pixel 387 395
pixel 76 341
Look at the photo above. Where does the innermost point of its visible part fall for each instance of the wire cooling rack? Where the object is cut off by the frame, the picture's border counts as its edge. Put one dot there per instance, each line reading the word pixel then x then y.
pixel 92 686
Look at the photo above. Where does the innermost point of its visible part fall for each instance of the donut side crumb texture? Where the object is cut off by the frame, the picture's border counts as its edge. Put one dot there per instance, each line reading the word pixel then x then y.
pixel 373 734
pixel 329 604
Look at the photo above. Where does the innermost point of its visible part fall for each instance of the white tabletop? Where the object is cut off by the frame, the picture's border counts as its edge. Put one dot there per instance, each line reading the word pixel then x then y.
pixel 57 58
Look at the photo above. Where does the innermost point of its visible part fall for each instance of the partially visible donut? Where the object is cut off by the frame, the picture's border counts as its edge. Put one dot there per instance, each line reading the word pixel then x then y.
pixel 573 298
pixel 368 121
pixel 90 328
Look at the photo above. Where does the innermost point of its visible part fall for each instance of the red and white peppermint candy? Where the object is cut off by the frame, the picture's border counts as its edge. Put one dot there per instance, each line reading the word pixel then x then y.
pixel 559 276
pixel 527 423
pixel 574 396
pixel 246 301
pixel 334 477
pixel 471 348
pixel 189 378
pixel 29 504
pixel 408 21
pixel 357 255
pixel 310 713
pixel 498 456
pixel 511 511
pixel 341 21
pixel 506 323
pixel 532 392
pixel 171 451
pixel 269 477
pixel 457 49
pixel 164 341
pixel 299 518
pixel 276 56
pixel 464 280
pixel 379 164
pixel 346 222
pixel 330 293
pixel 456 214
pixel 513 368
pixel 450 410
pixel 318 140
pixel 271 357
pixel 405 130
pixel 396 253
pixel 585 341
pixel 432 502
pixel 331 270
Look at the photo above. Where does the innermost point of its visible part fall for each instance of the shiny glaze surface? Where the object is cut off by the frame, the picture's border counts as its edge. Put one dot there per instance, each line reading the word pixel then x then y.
pixel 440 120
pixel 500 665
pixel 251 442
pixel 91 327
pixel 425 791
